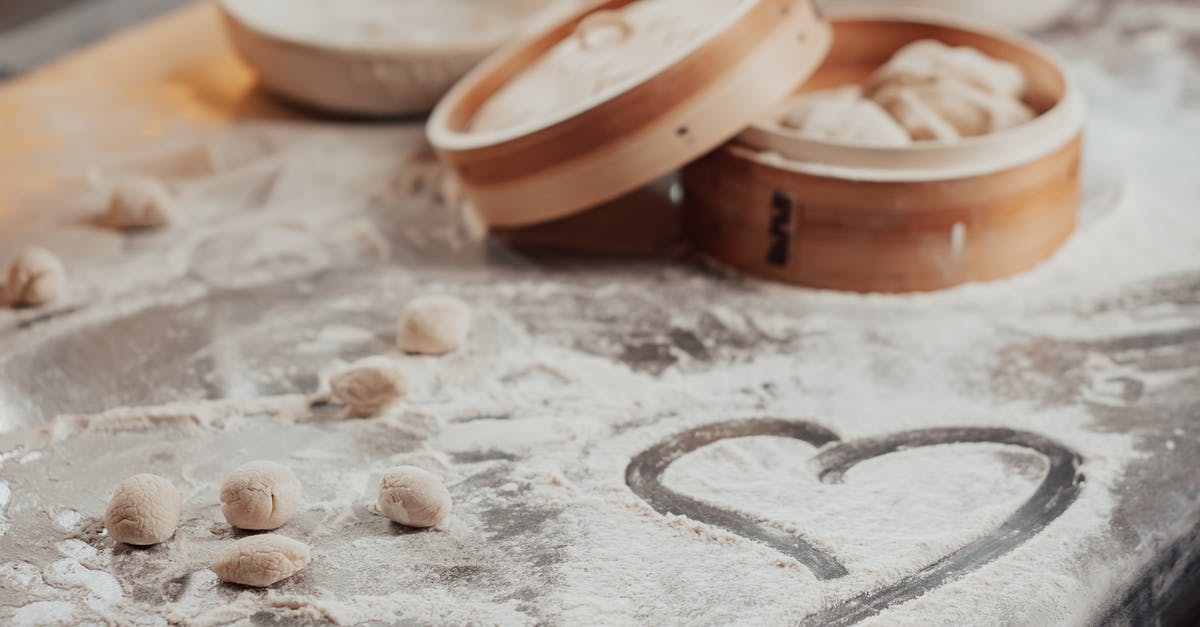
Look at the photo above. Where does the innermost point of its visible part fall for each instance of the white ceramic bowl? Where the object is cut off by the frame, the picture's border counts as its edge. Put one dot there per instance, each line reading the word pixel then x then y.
pixel 300 57
pixel 1023 15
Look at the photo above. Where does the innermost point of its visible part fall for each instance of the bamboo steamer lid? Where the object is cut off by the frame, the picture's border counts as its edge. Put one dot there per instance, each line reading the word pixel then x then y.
pixel 617 95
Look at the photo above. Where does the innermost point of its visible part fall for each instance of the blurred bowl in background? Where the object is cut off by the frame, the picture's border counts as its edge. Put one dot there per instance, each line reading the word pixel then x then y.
pixel 373 57
pixel 1022 15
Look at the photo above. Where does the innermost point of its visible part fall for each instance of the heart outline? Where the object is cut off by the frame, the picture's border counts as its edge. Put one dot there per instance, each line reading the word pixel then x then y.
pixel 1058 490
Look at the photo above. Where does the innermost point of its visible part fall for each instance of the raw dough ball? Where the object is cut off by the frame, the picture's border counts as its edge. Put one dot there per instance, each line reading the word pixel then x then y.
pixel 434 325
pixel 929 61
pixel 144 510
pixel 261 560
pixel 142 203
pixel 36 277
pixel 413 497
pixel 369 386
pixel 843 115
pixel 260 495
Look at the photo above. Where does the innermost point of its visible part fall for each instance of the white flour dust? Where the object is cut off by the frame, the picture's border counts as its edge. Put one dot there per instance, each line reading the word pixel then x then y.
pixel 302 244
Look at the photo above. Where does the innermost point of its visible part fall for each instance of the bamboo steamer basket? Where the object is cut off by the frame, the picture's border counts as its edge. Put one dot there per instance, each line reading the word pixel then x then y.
pixel 917 218
pixel 621 139
pixel 760 197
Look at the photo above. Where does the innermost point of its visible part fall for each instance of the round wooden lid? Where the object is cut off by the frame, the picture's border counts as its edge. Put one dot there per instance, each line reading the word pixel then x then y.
pixel 617 95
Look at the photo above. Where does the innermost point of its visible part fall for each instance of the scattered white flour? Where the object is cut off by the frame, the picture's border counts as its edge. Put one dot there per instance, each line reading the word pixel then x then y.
pixel 44 613
pixel 744 475
pixel 76 549
pixel 69 573
pixel 67 520
pixel 568 475
pixel 335 336
pixel 572 372
pixel 5 496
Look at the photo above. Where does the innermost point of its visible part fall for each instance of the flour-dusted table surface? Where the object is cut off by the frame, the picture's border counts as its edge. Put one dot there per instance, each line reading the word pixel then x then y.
pixel 626 440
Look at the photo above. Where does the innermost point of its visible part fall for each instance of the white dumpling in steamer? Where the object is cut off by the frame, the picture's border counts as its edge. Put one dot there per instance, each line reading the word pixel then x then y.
pixel 948 110
pixel 916 117
pixel 843 115
pixel 941 93
pixel 929 61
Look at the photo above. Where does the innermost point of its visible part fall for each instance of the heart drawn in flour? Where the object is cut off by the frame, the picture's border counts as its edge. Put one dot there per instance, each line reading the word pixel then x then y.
pixel 1057 491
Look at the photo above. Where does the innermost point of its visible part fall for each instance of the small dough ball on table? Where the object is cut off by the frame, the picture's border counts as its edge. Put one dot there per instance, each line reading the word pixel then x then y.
pixel 261 560
pixel 433 325
pixel 929 60
pixel 144 510
pixel 370 386
pixel 142 203
pixel 35 277
pixel 843 115
pixel 260 495
pixel 413 497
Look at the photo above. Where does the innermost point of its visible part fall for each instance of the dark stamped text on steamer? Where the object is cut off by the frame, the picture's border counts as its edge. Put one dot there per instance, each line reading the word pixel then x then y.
pixel 782 215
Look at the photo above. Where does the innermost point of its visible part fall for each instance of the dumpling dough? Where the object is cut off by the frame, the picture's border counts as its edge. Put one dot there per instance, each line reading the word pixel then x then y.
pixel 260 495
pixel 144 510
pixel 948 110
pixel 941 93
pixel 433 325
pixel 36 277
pixel 413 497
pixel 917 117
pixel 929 61
pixel 369 386
pixel 141 203
pixel 843 115
pixel 261 560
